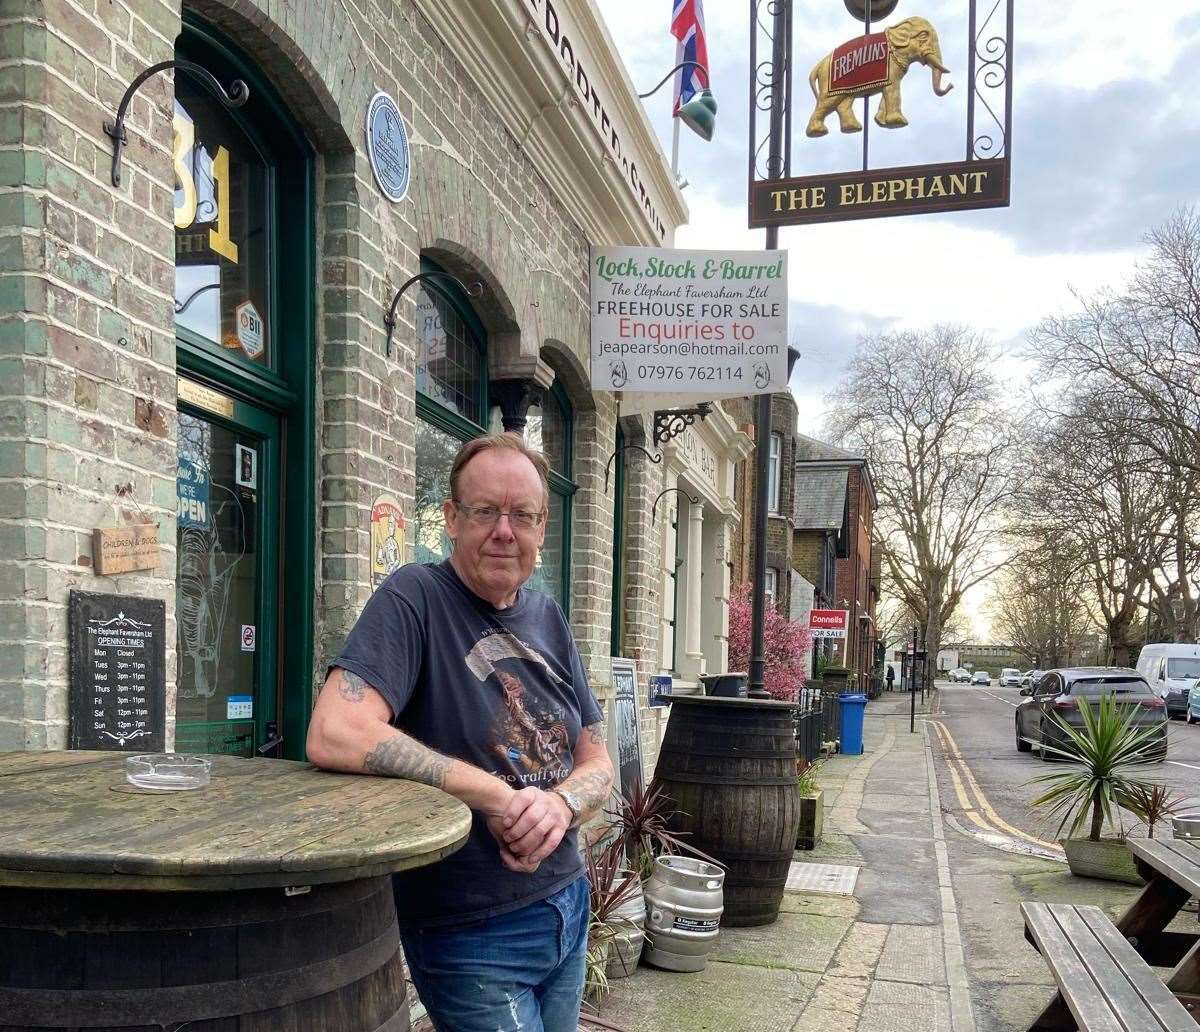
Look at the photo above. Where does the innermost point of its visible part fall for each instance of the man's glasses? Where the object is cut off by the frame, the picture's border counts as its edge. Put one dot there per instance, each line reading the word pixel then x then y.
pixel 489 516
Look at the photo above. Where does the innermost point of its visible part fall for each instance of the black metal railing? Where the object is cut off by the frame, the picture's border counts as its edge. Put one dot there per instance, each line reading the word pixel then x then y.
pixel 816 722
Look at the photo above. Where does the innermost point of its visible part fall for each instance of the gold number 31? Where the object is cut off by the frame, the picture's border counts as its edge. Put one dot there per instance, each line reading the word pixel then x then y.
pixel 185 213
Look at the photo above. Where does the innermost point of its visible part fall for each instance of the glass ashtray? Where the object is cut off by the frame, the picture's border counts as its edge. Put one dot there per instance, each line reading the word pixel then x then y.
pixel 167 772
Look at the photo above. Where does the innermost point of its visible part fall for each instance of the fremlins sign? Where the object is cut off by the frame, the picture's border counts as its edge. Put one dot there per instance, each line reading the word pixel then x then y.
pixel 865 76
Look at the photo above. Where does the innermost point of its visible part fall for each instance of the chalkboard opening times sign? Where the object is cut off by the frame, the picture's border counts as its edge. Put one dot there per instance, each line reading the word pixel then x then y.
pixel 118 672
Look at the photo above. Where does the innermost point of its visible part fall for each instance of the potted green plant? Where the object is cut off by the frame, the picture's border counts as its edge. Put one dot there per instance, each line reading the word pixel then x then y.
pixel 640 821
pixel 1150 802
pixel 812 804
pixel 618 914
pixel 1104 751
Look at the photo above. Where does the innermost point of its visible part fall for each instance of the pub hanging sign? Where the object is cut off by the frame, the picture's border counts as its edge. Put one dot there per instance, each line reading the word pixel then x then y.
pixel 868 76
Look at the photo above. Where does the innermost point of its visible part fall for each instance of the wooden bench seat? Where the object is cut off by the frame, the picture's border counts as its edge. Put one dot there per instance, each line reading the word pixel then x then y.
pixel 1105 985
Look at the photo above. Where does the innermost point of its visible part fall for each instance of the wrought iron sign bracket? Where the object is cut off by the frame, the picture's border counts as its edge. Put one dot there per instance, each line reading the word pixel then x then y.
pixel 236 96
pixel 629 447
pixel 670 423
pixel 430 279
pixel 667 490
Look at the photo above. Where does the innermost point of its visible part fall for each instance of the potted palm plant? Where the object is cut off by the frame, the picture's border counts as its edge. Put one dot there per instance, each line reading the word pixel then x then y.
pixel 812 804
pixel 1089 793
pixel 615 931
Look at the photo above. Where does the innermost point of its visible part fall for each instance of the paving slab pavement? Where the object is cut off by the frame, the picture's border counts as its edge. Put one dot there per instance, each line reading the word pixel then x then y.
pixel 930 941
pixel 875 961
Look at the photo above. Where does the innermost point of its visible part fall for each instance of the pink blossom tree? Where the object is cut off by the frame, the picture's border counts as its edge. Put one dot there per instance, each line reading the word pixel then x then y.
pixel 786 644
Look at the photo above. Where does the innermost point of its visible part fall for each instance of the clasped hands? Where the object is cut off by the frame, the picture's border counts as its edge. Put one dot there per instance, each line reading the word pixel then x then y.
pixel 530 828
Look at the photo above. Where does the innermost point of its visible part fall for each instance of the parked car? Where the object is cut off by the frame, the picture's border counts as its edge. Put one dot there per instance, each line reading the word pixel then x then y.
pixel 1171 668
pixel 1059 691
pixel 981 677
pixel 961 675
pixel 1030 676
pixel 1193 710
pixel 1010 677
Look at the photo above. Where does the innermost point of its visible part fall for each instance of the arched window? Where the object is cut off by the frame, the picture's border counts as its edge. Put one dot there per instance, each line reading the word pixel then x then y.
pixel 245 304
pixel 550 430
pixel 451 374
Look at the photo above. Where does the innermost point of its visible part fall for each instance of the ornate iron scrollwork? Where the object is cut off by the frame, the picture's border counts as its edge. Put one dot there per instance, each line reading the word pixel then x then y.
pixel 620 451
pixel 237 95
pixel 670 423
pixel 667 490
pixel 763 87
pixel 989 77
pixel 430 279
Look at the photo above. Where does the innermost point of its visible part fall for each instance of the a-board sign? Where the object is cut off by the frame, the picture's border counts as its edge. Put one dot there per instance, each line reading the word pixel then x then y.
pixel 625 724
pixel 117 672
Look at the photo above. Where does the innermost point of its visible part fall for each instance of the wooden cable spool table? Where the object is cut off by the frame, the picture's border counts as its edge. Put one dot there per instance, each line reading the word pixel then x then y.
pixel 260 902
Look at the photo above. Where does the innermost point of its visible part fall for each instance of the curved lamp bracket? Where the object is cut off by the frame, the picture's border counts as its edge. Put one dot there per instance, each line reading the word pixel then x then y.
pixel 629 447
pixel 431 280
pixel 667 490
pixel 678 67
pixel 236 96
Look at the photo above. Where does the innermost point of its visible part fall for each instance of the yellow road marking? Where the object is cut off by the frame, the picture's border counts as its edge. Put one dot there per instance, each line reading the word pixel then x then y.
pixel 950 748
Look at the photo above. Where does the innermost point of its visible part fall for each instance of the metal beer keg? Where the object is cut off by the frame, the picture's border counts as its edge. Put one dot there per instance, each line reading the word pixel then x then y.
pixel 684 901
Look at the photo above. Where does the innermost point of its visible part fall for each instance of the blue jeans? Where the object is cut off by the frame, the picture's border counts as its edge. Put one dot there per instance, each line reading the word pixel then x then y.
pixel 519 972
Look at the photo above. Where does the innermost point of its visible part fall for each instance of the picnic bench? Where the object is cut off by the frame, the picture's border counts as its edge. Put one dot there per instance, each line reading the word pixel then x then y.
pixel 1105 972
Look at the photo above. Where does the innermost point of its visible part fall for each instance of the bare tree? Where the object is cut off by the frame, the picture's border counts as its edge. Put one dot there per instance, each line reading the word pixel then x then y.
pixel 1099 496
pixel 925 409
pixel 1038 604
pixel 1140 347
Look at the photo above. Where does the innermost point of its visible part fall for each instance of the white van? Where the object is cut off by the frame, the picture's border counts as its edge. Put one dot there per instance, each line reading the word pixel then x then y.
pixel 1172 668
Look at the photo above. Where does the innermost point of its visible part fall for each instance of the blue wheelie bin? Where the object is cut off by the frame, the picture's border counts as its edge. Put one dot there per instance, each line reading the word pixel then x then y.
pixel 852 707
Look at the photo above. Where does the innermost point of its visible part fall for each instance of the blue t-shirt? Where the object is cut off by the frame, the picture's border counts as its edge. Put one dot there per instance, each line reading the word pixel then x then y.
pixel 503 689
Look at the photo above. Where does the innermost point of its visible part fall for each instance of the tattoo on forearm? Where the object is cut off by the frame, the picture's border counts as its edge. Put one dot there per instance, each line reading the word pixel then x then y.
pixel 595 733
pixel 404 757
pixel 351 687
pixel 590 787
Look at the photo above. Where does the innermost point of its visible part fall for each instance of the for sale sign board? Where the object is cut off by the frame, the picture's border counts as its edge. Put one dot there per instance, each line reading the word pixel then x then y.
pixel 828 623
pixel 711 323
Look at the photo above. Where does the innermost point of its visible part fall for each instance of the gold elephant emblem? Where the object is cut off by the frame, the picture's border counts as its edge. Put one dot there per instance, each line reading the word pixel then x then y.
pixel 872 64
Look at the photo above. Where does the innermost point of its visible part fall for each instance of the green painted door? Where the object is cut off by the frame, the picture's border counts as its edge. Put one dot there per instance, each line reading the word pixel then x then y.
pixel 228 577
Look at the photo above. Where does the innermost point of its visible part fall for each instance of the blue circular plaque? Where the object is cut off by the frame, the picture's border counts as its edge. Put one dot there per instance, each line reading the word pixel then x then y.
pixel 387 147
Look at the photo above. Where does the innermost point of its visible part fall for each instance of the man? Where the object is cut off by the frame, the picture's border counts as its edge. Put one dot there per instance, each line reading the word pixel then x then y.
pixel 891 676
pixel 459 677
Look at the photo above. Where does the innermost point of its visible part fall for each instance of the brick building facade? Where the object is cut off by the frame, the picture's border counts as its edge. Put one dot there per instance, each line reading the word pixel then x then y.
pixel 780 498
pixel 203 346
pixel 834 527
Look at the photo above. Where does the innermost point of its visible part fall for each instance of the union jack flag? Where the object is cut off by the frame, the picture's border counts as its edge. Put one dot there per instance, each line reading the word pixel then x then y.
pixel 687 26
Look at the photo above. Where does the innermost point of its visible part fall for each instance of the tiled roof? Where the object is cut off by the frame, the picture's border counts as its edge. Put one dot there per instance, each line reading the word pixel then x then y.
pixel 820 498
pixel 809 449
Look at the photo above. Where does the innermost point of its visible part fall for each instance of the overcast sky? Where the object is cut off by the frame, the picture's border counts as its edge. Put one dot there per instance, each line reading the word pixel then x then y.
pixel 1105 144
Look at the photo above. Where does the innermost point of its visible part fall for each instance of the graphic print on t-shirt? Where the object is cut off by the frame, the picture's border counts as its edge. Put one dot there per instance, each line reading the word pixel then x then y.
pixel 531 733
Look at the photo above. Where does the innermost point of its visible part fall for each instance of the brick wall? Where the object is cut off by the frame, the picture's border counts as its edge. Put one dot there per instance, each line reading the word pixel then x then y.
pixel 87 348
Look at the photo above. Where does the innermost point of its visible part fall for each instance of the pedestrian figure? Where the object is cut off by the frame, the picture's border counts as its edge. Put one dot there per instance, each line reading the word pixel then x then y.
pixel 458 676
pixel 891 676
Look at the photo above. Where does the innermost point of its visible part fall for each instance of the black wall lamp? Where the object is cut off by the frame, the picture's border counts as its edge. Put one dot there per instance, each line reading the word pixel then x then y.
pixel 431 280
pixel 236 96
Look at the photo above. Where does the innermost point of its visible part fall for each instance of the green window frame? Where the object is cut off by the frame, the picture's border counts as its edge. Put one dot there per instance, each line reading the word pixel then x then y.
pixel 287 387
pixel 562 486
pixel 430 410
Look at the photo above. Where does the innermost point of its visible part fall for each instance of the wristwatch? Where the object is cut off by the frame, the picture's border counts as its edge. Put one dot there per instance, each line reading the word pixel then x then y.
pixel 573 804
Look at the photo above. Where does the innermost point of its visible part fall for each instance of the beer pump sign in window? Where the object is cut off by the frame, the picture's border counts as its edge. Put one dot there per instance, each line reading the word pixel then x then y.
pixel 221 227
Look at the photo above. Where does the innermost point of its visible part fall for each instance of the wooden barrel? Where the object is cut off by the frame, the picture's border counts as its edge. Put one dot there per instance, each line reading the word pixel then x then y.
pixel 239 961
pixel 730 766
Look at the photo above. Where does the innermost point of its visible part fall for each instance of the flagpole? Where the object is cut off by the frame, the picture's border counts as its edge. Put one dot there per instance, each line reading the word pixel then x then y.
pixel 675 150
